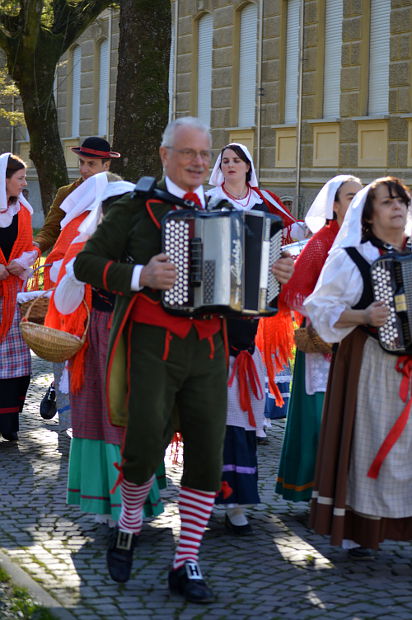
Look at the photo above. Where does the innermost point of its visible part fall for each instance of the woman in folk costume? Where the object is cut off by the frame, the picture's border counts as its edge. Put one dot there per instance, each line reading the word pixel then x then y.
pixel 17 254
pixel 363 480
pixel 235 180
pixel 297 464
pixel 241 189
pixel 73 207
pixel 95 446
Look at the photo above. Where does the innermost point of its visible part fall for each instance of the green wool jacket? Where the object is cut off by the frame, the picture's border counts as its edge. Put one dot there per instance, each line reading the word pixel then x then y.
pixel 129 235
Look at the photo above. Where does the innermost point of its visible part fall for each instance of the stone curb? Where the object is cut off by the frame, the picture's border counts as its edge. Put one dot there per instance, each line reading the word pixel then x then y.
pixel 20 578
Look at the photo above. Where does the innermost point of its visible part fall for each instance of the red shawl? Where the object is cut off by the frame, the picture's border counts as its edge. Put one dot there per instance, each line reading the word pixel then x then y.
pixel 13 284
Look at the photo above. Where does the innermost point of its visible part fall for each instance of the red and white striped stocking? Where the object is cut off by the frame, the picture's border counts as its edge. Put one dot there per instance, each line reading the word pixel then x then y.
pixel 133 499
pixel 195 508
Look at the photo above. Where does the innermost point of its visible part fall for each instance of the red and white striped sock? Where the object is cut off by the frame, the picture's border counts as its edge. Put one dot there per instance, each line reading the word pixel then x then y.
pixel 194 508
pixel 133 499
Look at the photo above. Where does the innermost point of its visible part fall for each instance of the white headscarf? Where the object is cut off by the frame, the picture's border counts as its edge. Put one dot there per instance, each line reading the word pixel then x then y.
pixel 350 233
pixel 89 225
pixel 8 211
pixel 86 197
pixel 321 208
pixel 217 178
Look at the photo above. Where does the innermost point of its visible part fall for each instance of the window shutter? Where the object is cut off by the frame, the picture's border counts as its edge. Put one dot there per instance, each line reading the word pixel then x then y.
pixel 204 83
pixel 103 86
pixel 379 56
pixel 333 58
pixel 247 66
pixel 292 61
pixel 76 75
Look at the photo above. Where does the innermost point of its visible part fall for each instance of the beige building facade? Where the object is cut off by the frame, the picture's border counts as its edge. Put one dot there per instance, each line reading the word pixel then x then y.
pixel 333 97
pixel 314 88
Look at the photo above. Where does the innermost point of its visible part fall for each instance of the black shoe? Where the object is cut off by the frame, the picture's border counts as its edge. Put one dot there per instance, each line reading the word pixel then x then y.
pixel 11 436
pixel 361 553
pixel 48 404
pixel 238 530
pixel 188 581
pixel 120 555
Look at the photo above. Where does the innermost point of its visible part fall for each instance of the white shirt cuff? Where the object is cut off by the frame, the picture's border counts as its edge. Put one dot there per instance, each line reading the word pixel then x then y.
pixel 135 283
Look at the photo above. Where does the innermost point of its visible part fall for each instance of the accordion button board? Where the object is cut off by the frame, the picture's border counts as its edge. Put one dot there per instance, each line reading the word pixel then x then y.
pixel 392 283
pixel 223 261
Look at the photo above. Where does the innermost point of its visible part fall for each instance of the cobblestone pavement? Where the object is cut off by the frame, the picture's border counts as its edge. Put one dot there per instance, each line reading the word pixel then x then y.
pixel 283 571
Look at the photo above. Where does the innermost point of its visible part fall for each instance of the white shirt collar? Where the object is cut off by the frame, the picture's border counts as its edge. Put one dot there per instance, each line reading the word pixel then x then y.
pixel 177 191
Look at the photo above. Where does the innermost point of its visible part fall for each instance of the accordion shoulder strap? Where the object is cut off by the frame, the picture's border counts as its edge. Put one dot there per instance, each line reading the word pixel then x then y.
pixel 362 264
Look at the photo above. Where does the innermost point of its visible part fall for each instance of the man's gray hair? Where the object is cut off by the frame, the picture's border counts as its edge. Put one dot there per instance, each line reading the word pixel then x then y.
pixel 168 137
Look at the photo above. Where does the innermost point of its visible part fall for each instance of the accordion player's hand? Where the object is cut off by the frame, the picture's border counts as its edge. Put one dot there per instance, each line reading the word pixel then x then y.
pixel 283 268
pixel 159 273
pixel 377 314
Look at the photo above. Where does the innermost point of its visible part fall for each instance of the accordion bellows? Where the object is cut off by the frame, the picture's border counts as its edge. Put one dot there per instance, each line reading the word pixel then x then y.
pixel 223 261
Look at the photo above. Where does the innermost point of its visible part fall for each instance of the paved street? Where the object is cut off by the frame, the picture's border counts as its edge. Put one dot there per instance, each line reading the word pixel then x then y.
pixel 283 571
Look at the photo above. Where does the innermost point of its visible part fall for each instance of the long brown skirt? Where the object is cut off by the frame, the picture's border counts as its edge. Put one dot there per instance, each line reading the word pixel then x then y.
pixel 329 512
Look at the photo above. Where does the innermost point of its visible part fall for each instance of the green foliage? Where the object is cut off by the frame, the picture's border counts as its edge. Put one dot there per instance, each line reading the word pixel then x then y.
pixel 8 90
pixel 18 601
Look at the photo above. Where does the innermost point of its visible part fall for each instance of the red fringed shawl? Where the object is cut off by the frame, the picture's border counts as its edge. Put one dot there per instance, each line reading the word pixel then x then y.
pixel 13 284
pixel 275 334
pixel 73 323
pixel 68 233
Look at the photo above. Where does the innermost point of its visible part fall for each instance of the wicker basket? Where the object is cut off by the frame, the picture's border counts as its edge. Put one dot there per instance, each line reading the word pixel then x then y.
pixel 38 311
pixel 308 340
pixel 48 343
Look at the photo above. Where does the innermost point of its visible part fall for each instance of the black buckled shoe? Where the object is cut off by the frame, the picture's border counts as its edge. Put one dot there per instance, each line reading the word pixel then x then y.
pixel 48 404
pixel 238 530
pixel 120 555
pixel 188 581
pixel 11 436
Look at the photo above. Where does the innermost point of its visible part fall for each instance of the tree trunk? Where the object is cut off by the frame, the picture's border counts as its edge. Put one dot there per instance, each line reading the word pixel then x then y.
pixel 142 101
pixel 34 78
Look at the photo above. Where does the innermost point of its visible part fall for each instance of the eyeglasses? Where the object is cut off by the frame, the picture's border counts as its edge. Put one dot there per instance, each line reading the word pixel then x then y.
pixel 191 154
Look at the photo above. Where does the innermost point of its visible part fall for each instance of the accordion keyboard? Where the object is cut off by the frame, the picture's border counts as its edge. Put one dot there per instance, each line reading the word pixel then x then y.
pixel 383 291
pixel 177 241
pixel 392 283
pixel 274 253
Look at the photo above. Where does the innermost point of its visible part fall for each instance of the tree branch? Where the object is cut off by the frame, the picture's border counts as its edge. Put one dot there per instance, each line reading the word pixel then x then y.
pixel 73 19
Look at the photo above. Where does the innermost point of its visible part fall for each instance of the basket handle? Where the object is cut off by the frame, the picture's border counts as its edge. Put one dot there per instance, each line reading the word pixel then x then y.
pixel 26 316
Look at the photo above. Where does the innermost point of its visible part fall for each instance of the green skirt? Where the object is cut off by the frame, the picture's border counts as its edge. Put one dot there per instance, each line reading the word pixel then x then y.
pixel 92 475
pixel 298 459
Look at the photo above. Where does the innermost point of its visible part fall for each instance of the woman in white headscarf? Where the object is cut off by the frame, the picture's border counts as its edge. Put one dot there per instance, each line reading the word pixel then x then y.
pixel 363 480
pixel 17 254
pixel 297 464
pixel 95 446
pixel 235 180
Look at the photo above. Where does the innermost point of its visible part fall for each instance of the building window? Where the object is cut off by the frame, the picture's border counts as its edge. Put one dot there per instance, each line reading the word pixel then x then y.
pixel 204 74
pixel 292 61
pixel 103 87
pixel 76 73
pixel 379 56
pixel 333 57
pixel 247 66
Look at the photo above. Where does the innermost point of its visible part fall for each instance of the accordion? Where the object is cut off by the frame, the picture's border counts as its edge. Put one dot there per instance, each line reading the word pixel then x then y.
pixel 223 261
pixel 392 283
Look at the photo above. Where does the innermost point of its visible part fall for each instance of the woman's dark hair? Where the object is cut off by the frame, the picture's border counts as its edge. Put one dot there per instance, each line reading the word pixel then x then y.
pixel 13 165
pixel 239 152
pixel 395 188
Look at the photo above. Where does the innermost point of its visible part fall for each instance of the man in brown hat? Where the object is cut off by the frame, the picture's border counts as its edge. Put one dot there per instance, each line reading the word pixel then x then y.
pixel 94 156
